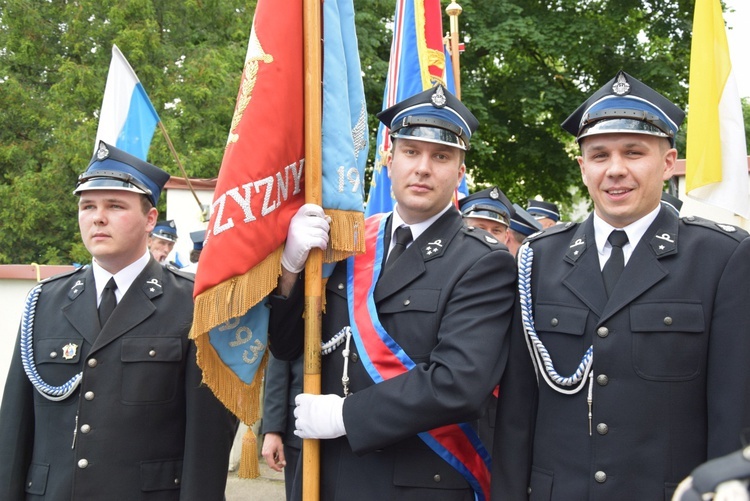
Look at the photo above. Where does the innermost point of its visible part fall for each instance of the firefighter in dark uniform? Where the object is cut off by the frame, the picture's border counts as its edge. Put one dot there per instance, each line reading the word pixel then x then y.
pixel 426 341
pixel 637 322
pixel 104 398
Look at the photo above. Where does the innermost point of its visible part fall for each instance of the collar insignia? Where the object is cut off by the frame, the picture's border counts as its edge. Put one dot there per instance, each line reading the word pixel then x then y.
pixel 152 288
pixel 664 243
pixel 432 249
pixel 76 289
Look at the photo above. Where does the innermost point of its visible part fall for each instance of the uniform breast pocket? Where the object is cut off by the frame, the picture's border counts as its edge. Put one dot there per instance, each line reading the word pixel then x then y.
pixel 152 369
pixel 410 318
pixel 668 340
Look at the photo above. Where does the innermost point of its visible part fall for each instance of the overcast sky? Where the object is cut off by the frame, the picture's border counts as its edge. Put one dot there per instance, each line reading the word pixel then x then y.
pixel 739 42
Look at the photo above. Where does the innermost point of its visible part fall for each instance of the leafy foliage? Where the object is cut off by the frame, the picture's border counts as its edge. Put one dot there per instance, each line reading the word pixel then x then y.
pixel 527 65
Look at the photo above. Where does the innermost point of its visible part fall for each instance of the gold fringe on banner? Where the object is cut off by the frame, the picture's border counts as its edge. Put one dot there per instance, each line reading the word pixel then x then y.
pixel 347 235
pixel 215 306
pixel 234 297
pixel 242 399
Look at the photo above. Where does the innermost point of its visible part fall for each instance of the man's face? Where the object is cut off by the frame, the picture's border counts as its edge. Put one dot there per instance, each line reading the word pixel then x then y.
pixel 160 248
pixel 113 227
pixel 495 228
pixel 625 174
pixel 545 222
pixel 424 177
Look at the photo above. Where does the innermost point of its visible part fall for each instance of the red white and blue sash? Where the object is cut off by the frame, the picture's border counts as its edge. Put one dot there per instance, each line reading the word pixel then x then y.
pixel 458 444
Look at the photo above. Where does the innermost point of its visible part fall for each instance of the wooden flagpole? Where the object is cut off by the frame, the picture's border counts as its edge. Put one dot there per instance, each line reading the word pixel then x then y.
pixel 454 10
pixel 313 108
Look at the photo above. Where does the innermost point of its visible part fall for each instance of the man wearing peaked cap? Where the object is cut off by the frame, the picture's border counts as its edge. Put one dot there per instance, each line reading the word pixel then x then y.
pixel 162 239
pixel 546 213
pixel 442 296
pixel 637 321
pixel 434 115
pixel 105 368
pixel 489 210
pixel 522 224
pixel 113 169
pixel 197 237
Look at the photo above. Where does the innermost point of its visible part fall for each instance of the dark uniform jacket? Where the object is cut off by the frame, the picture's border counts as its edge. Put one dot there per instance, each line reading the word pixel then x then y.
pixel 140 426
pixel 671 384
pixel 448 302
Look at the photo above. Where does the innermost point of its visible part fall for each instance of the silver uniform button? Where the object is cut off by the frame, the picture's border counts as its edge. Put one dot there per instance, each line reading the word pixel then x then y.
pixel 602 429
pixel 602 332
pixel 152 353
pixel 354 358
pixel 89 395
pixel 176 481
pixel 437 477
pixel 53 354
pixel 340 286
pixel 602 380
pixel 407 302
pixel 554 322
pixel 93 362
pixel 83 463
pixel 667 320
pixel 85 428
pixel 600 477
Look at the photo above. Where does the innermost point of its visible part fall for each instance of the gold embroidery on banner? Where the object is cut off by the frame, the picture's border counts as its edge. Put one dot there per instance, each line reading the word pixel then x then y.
pixel 255 54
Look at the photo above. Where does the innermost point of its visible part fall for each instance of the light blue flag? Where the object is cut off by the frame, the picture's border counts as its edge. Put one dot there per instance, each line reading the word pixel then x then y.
pixel 345 138
pixel 127 118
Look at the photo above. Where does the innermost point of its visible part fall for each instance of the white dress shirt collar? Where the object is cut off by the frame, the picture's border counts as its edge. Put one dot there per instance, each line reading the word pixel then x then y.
pixel 123 278
pixel 416 228
pixel 635 232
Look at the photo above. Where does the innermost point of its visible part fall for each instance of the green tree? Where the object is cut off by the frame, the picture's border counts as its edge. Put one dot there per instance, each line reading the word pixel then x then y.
pixel 527 65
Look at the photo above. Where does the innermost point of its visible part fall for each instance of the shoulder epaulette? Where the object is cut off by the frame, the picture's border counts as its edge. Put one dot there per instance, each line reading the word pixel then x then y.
pixel 726 229
pixel 64 274
pixel 552 230
pixel 481 235
pixel 177 271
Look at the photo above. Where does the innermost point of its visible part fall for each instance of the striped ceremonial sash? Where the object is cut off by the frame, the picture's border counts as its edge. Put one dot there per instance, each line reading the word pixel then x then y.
pixel 458 444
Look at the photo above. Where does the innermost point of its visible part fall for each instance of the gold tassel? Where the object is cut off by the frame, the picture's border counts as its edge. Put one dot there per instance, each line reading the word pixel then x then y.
pixel 347 235
pixel 249 467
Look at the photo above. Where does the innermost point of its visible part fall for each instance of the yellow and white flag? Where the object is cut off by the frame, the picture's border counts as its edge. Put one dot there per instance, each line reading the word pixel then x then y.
pixel 716 171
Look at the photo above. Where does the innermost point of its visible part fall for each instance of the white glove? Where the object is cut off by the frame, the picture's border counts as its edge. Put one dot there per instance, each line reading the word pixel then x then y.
pixel 308 228
pixel 732 490
pixel 319 416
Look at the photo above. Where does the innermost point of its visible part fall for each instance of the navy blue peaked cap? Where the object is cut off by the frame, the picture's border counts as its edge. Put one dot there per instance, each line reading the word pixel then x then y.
pixel 491 204
pixel 166 230
pixel 523 222
pixel 540 208
pixel 114 169
pixel 434 116
pixel 625 105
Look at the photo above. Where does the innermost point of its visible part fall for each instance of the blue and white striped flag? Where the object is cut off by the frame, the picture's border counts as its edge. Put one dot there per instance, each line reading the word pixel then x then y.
pixel 127 118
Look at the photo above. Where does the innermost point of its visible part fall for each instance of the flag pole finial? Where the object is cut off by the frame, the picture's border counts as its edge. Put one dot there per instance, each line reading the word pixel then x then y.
pixel 454 10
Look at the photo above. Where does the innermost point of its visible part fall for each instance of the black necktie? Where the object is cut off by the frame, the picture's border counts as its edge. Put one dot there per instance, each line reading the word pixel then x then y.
pixel 403 238
pixel 616 262
pixel 108 302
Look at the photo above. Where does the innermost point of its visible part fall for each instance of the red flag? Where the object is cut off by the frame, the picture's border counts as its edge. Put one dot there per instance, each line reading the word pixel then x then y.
pixel 258 191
